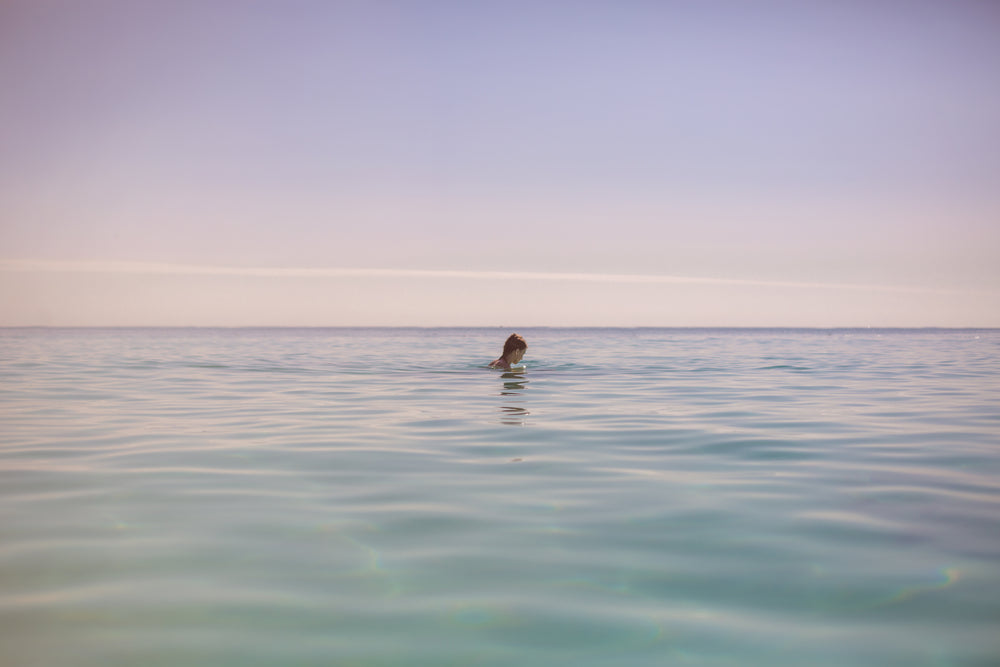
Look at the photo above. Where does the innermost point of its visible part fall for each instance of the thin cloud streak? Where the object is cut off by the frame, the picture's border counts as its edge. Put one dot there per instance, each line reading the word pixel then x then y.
pixel 158 268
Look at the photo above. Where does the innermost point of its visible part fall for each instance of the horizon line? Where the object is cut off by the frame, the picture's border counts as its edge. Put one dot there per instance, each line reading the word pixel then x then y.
pixel 689 327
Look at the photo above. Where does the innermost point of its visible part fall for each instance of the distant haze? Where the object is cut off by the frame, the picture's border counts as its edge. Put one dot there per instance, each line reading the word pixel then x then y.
pixel 311 163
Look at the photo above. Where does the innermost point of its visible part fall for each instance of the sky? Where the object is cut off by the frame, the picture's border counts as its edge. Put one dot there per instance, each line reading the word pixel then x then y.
pixel 463 163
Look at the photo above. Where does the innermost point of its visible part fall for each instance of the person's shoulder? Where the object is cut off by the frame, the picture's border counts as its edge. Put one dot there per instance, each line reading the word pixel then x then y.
pixel 497 363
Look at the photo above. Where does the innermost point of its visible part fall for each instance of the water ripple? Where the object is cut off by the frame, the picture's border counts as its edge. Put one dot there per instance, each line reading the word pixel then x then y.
pixel 705 497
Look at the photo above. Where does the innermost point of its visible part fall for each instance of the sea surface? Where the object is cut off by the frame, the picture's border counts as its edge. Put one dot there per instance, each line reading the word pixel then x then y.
pixel 378 497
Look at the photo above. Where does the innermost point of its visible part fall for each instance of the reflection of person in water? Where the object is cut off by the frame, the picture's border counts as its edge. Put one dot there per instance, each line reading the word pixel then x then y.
pixel 513 349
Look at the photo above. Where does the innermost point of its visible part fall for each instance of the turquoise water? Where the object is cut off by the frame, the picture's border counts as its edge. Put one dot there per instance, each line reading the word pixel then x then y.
pixel 376 497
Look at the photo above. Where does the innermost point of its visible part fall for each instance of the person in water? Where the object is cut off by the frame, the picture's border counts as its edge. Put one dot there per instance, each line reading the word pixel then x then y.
pixel 513 349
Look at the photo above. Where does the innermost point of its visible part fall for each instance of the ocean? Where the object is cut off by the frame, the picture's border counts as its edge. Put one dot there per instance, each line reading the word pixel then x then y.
pixel 378 497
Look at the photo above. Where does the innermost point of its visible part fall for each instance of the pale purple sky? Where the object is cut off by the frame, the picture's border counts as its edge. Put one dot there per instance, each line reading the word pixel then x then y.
pixel 524 163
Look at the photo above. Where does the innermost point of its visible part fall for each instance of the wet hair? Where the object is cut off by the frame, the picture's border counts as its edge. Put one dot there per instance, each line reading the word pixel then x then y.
pixel 514 342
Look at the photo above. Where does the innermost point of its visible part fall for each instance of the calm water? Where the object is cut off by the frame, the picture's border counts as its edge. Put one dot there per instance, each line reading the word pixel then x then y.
pixel 376 497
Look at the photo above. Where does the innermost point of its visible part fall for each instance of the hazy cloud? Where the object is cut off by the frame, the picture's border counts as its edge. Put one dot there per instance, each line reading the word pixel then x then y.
pixel 159 268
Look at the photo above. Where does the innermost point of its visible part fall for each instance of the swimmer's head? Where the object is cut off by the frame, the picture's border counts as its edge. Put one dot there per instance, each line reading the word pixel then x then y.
pixel 514 348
